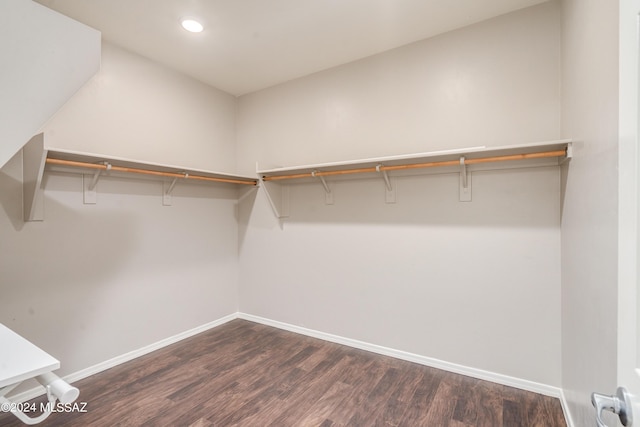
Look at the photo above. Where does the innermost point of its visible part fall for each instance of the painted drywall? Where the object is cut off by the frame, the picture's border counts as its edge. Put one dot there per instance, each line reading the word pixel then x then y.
pixel 628 136
pixel 589 220
pixel 45 58
pixel 92 282
pixel 491 84
pixel 477 284
pixel 143 111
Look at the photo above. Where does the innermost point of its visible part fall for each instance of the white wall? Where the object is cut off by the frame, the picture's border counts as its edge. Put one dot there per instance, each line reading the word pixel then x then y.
pixel 477 284
pixel 92 282
pixel 589 221
pixel 490 84
pixel 143 111
pixel 45 57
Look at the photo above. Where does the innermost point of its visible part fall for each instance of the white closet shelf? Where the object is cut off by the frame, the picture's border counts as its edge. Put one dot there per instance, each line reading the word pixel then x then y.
pixel 37 157
pixel 522 155
pixel 473 153
pixel 58 159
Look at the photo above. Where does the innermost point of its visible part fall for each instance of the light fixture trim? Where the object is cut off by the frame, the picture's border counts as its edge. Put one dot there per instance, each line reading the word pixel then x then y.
pixel 192 25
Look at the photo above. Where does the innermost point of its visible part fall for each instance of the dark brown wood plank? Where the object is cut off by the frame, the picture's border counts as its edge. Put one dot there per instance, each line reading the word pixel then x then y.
pixel 320 411
pixel 444 402
pixel 489 398
pixel 465 410
pixel 247 374
pixel 362 375
pixel 311 389
pixel 396 405
pixel 370 409
pixel 422 398
pixel 514 414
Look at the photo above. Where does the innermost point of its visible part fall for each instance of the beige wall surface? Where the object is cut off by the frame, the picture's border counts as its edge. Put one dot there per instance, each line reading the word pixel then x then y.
pixel 55 56
pixel 494 83
pixel 590 210
pixel 93 282
pixel 477 284
pixel 137 109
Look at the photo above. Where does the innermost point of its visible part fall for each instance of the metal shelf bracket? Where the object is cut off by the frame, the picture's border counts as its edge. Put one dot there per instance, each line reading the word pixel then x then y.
pixel 167 189
pixel 328 195
pixel 389 191
pixel 90 196
pixel 465 182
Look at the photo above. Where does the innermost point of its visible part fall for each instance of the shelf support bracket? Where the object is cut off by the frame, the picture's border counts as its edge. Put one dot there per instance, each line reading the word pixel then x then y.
pixel 328 195
pixel 463 172
pixel 94 181
pixel 389 191
pixel 170 189
pixel 90 196
pixel 278 196
pixel 465 182
pixel 167 189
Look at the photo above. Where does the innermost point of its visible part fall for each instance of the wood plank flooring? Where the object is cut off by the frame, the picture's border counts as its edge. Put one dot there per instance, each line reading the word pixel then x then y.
pixel 247 374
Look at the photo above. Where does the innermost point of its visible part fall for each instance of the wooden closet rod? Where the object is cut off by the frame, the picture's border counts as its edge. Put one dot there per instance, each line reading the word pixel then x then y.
pixel 545 154
pixel 146 171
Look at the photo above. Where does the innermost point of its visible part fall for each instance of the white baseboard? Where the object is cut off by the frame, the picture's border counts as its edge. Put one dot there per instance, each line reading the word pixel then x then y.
pixel 103 366
pixel 523 384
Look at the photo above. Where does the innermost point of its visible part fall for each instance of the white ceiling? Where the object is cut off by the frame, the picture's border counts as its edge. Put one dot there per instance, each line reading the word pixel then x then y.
pixel 248 45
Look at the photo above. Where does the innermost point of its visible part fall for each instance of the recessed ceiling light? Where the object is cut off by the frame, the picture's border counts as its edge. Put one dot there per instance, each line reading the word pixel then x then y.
pixel 192 25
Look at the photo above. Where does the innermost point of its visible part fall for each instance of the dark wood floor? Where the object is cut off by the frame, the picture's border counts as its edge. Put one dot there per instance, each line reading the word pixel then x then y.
pixel 246 374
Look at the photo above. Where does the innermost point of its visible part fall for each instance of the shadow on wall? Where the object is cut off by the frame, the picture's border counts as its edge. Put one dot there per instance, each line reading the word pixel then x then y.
pixel 91 282
pixel 50 271
pixel 564 180
pixel 513 197
pixel 53 272
pixel 243 208
pixel 11 199
pixel 11 191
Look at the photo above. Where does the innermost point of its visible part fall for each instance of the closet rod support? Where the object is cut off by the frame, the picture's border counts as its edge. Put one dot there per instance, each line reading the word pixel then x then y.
pixel 389 192
pixel 463 172
pixel 96 176
pixel 323 181
pixel 173 183
pixel 170 189
pixel 385 175
pixel 328 195
pixel 464 192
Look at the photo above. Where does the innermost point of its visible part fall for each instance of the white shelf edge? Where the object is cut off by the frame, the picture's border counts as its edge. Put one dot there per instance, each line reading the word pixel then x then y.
pixel 280 203
pixel 416 156
pixel 36 152
pixel 69 154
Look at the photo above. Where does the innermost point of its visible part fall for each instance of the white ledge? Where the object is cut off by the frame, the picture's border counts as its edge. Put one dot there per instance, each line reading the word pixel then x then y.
pixel 442 155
